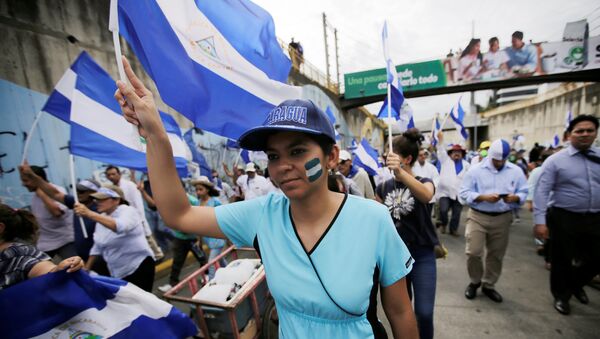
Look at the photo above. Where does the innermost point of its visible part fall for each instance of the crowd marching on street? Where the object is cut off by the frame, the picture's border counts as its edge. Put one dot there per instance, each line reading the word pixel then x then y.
pixel 338 230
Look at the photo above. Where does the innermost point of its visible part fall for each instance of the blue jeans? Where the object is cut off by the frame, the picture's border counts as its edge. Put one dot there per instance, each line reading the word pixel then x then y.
pixel 445 205
pixel 421 283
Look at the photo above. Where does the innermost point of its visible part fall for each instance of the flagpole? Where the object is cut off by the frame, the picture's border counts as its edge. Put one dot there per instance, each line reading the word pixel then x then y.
pixel 113 26
pixel 74 185
pixel 389 100
pixel 28 140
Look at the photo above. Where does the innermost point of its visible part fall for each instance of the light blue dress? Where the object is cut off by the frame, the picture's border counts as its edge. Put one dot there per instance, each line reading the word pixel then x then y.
pixel 361 237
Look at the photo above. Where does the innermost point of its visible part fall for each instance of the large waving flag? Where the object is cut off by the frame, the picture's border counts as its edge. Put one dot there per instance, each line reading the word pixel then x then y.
pixel 366 157
pixel 399 110
pixel 76 305
pixel 98 129
pixel 216 62
pixel 458 116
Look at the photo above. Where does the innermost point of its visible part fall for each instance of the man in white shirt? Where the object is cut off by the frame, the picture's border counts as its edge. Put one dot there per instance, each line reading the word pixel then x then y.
pixel 134 197
pixel 453 169
pixel 357 174
pixel 254 185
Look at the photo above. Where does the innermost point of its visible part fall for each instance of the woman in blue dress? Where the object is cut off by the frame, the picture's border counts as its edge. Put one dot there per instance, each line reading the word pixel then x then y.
pixel 322 250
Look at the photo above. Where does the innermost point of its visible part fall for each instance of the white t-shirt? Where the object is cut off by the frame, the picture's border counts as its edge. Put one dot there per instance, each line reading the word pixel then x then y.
pixel 55 232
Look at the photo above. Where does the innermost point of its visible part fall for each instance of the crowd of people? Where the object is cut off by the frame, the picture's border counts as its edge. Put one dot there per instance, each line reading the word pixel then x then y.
pixel 386 228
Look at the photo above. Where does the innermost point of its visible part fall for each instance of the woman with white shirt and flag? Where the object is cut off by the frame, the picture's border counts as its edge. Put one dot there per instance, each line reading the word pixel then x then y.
pixel 119 238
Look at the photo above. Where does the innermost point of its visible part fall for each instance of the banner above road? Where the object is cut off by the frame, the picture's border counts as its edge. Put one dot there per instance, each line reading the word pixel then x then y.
pixel 520 60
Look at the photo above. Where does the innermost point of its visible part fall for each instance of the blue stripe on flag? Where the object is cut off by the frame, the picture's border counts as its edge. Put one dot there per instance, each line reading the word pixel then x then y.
pixel 208 100
pixel 397 101
pixel 251 21
pixel 59 106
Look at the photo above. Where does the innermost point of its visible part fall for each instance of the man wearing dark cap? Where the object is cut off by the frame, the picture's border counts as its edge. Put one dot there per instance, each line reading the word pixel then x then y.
pixel 567 199
pixel 492 189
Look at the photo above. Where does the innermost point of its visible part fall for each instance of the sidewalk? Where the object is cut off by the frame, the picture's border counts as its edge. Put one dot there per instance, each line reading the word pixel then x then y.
pixel 526 311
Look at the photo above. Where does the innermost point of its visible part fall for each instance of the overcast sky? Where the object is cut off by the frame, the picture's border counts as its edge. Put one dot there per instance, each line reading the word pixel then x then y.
pixel 419 30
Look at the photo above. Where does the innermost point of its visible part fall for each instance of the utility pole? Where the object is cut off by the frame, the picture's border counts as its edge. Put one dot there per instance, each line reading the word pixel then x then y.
pixel 326 48
pixel 337 58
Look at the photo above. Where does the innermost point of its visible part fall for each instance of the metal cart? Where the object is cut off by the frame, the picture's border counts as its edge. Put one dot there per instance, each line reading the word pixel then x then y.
pixel 249 314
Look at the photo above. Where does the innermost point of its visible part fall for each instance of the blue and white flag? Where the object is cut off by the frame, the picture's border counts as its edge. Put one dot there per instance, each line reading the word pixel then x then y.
pixel 555 141
pixel 399 109
pixel 257 157
pixel 435 129
pixel 98 129
pixel 568 119
pixel 216 62
pixel 76 305
pixel 197 156
pixel 366 157
pixel 458 116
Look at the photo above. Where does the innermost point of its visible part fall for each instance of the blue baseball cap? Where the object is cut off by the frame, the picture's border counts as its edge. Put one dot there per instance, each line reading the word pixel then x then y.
pixel 291 116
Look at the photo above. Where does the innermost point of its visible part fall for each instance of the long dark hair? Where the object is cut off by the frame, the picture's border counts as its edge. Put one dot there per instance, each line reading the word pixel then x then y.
pixel 470 46
pixel 408 143
pixel 18 224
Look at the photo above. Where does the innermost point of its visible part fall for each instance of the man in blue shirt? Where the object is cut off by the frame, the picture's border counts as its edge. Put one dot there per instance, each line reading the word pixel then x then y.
pixel 567 199
pixel 522 58
pixel 492 189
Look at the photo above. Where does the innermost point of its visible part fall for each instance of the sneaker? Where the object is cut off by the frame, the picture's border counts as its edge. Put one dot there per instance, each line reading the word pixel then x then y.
pixel 164 288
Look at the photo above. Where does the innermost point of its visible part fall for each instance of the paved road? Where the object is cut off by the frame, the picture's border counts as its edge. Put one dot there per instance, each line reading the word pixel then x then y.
pixel 527 310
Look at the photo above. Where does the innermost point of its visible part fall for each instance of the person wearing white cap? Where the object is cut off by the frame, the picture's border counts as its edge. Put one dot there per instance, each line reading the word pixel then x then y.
pixel 492 189
pixel 119 238
pixel 254 185
pixel 355 173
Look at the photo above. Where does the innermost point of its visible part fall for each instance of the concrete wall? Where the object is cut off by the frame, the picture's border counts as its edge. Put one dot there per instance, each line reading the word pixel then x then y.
pixel 540 118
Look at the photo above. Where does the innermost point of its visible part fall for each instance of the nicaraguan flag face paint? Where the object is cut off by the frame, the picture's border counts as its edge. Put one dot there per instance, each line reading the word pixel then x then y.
pixel 313 169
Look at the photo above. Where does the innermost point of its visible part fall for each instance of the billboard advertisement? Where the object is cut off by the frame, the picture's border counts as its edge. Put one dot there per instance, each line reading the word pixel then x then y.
pixel 482 61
